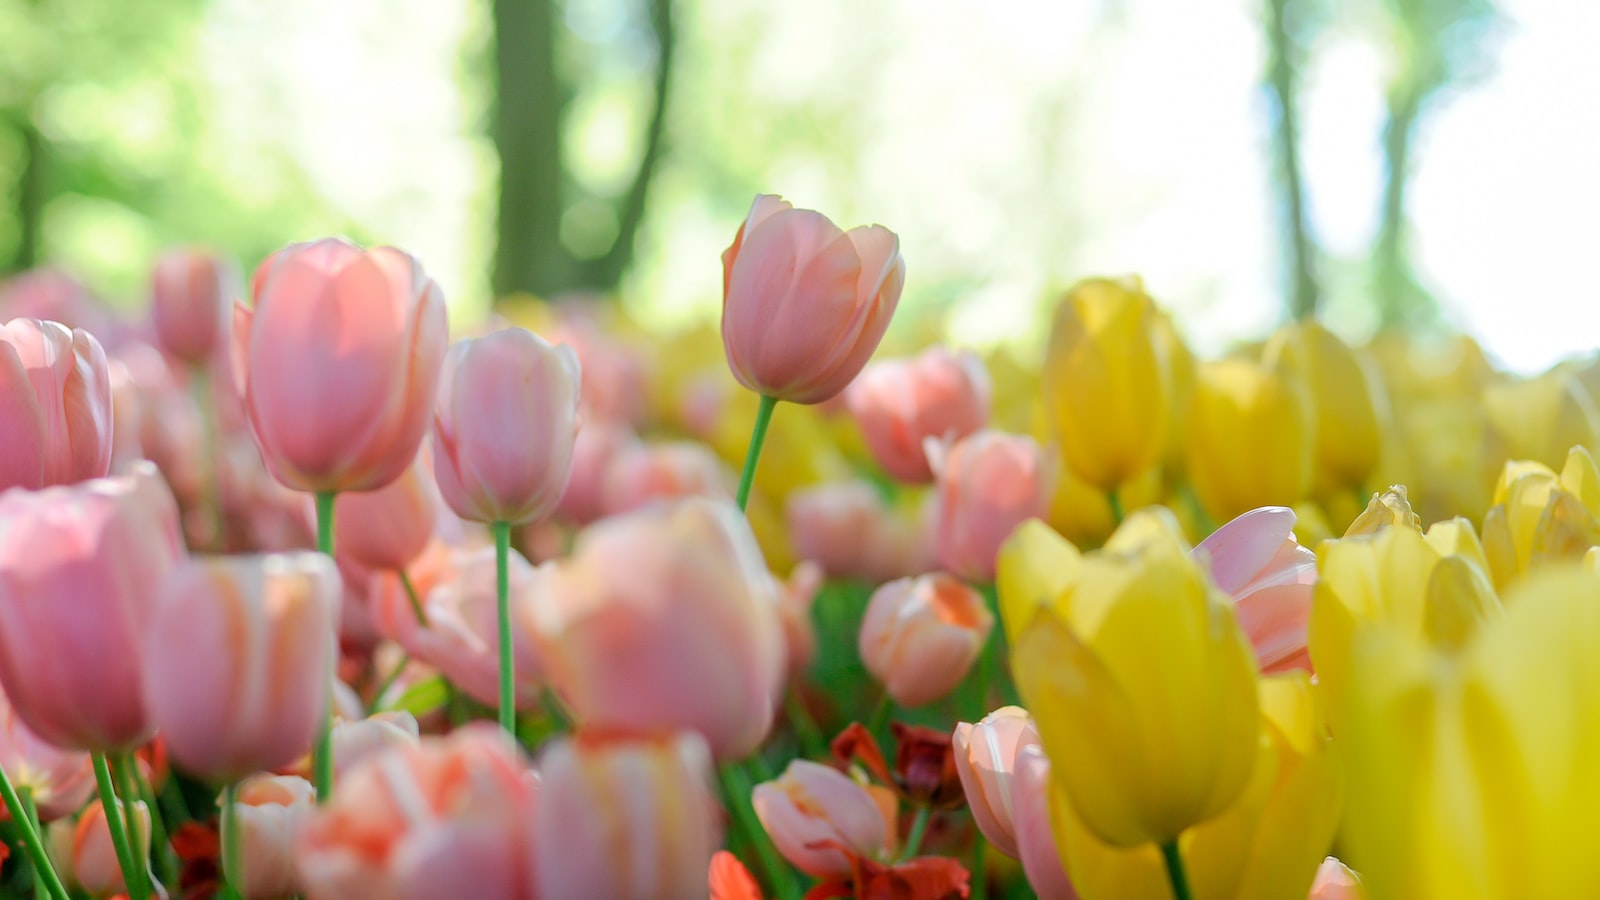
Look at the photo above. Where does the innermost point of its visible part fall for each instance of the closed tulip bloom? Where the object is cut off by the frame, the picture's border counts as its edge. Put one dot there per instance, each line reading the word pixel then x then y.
pixel 985 754
pixel 250 688
pixel 271 810
pixel 83 853
pixel 989 483
pixel 1539 516
pixel 1348 406
pixel 846 528
pixel 1250 438
pixel 664 619
pixel 60 781
pixel 625 819
pixel 795 597
pixel 1105 382
pixel 190 293
pixel 81 568
pixel 1335 881
pixel 818 817
pixel 1256 560
pixel 388 528
pixel 355 740
pixel 598 445
pixel 1541 418
pixel 1032 792
pixel 1386 508
pixel 803 303
pixel 900 403
pixel 920 636
pixel 645 473
pixel 447 818
pixel 505 426
pixel 338 363
pixel 55 398
pixel 1142 685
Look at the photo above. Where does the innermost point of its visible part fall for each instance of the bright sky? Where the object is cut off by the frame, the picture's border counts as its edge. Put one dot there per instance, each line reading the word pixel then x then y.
pixel 1012 152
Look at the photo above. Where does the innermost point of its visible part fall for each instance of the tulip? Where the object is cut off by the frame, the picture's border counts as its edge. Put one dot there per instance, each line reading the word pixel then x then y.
pixel 190 292
pixel 1105 382
pixel 803 303
pixel 388 528
pixel 354 740
pixel 989 483
pixel 1142 685
pixel 55 398
pixel 81 569
pixel 369 322
pixel 84 854
pixel 818 818
pixel 985 754
pixel 269 813
pixel 900 403
pixel 1335 881
pixel 1032 793
pixel 795 598
pixel 645 473
pixel 664 619
pixel 597 446
pixel 625 819
pixel 1390 507
pixel 920 636
pixel 250 689
pixel 1540 418
pixel 49 293
pixel 846 528
pixel 1250 438
pixel 1256 560
pixel 1347 404
pixel 59 781
pixel 444 819
pixel 505 426
pixel 1538 516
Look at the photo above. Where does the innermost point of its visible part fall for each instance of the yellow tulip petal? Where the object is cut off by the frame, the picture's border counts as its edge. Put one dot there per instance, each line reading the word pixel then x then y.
pixel 1033 567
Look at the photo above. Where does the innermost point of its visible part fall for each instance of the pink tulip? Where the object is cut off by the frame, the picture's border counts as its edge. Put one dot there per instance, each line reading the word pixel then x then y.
pixel 813 807
pixel 55 398
pixel 190 292
pixel 338 363
pixel 795 598
pixel 461 639
pixel 920 636
pixel 81 569
pixel 59 780
pixel 900 403
pixel 447 818
pixel 646 473
pixel 625 819
pixel 846 528
pixel 1256 560
pixel 664 619
pixel 1030 821
pixel 505 425
pixel 389 527
pixel 354 740
pixel 803 303
pixel 984 755
pixel 989 483
pixel 598 445
pixel 271 811
pixel 250 689
pixel 83 853
pixel 1335 881
pixel 615 389
pixel 52 294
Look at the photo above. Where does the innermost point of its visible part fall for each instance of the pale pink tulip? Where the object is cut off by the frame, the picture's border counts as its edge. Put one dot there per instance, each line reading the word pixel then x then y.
pixel 920 636
pixel 795 597
pixel 81 569
pixel 615 389
pixel 506 420
pixel 664 619
pixel 813 805
pixel 354 740
pixel 1335 881
pixel 447 818
pixel 846 528
pixel 597 446
pixel 250 689
pixel 625 820
pixel 59 780
pixel 900 403
pixel 83 853
pixel 190 293
pixel 989 483
pixel 984 755
pixel 1031 823
pixel 389 527
pixel 55 398
pixel 271 812
pixel 646 473
pixel 339 362
pixel 803 303
pixel 1256 560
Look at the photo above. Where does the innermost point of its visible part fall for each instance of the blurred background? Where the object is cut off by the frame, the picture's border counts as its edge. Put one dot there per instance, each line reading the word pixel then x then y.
pixel 1427 163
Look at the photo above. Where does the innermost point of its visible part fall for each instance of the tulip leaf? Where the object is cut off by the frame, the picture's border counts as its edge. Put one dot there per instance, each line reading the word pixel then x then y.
pixel 423 697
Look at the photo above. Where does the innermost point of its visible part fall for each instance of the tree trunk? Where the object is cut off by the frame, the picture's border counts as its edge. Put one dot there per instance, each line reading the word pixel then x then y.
pixel 1282 83
pixel 527 135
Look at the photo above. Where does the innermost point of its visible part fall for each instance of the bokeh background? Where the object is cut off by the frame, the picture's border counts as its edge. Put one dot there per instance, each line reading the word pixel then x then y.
pixel 1427 163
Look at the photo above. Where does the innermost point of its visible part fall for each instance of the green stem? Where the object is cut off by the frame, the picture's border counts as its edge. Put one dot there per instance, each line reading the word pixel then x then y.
pixel 1115 503
pixel 736 789
pixel 1174 861
pixel 31 813
pixel 232 874
pixel 21 813
pixel 132 874
pixel 166 862
pixel 125 770
pixel 322 752
pixel 919 828
pixel 812 741
pixel 980 875
pixel 880 714
pixel 388 682
pixel 416 602
pixel 502 596
pixel 758 436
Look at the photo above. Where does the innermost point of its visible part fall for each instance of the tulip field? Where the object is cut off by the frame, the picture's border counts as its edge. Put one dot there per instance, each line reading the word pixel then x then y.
pixel 306 592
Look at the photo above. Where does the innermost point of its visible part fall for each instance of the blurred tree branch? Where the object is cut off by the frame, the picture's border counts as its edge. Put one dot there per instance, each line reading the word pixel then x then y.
pixel 1287 33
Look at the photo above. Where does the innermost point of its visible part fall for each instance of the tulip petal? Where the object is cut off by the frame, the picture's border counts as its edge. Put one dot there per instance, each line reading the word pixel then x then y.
pixel 1240 549
pixel 1034 566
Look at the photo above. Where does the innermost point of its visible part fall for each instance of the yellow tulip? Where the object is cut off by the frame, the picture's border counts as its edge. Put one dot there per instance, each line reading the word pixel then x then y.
pixel 1541 418
pixel 1348 405
pixel 1250 438
pixel 1539 516
pixel 1384 509
pixel 1142 684
pixel 1083 514
pixel 1106 386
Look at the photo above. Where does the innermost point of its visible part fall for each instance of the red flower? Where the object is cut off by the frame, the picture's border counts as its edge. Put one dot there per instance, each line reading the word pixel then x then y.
pixel 924 878
pixel 925 766
pixel 730 880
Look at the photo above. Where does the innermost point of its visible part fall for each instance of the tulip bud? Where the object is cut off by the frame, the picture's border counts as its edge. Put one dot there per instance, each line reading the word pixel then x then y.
pixel 985 754
pixel 1250 438
pixel 505 426
pixel 1256 560
pixel 1384 509
pixel 389 527
pixel 83 853
pixel 355 740
pixel 370 322
pixel 625 819
pixel 795 597
pixel 829 295
pixel 190 293
pixel 818 817
pixel 60 781
pixel 920 636
pixel 1335 881
pixel 55 398
pixel 270 811
pixel 1538 516
pixel 597 446
pixel 846 528
pixel 900 403
pixel 1347 405
pixel 646 473
pixel 989 483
